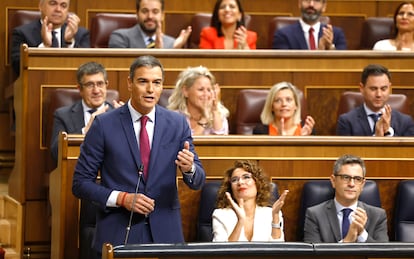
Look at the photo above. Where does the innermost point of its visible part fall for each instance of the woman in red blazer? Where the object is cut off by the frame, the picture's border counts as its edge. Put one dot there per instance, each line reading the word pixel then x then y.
pixel 227 29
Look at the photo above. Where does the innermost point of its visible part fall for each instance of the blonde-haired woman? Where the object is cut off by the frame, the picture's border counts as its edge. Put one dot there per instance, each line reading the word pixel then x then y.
pixel 281 113
pixel 196 95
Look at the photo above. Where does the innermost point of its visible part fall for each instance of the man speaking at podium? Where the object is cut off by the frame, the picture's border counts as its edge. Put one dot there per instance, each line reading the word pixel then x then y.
pixel 137 148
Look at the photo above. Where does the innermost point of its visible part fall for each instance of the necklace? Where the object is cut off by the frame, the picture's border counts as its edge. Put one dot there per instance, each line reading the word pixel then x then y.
pixel 204 125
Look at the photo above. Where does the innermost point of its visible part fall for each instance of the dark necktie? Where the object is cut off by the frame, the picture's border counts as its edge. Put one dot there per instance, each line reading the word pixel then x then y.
pixel 312 44
pixel 345 221
pixel 151 43
pixel 92 111
pixel 55 42
pixel 144 145
pixel 375 117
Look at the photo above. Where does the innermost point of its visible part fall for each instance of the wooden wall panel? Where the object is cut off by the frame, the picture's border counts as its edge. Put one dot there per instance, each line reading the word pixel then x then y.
pixel 340 73
pixel 288 161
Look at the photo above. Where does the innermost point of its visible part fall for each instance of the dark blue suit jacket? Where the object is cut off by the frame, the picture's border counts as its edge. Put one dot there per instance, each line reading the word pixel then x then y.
pixel 292 37
pixel 355 123
pixel 111 147
pixel 69 119
pixel 31 35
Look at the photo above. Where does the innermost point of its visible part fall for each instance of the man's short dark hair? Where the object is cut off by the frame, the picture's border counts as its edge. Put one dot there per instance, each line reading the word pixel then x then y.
pixel 90 68
pixel 347 160
pixel 138 4
pixel 145 61
pixel 374 70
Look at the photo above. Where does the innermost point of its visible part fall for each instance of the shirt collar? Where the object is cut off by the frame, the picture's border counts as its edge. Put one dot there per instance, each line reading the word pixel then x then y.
pixel 135 115
pixel 146 37
pixel 306 27
pixel 339 207
pixel 87 108
pixel 368 111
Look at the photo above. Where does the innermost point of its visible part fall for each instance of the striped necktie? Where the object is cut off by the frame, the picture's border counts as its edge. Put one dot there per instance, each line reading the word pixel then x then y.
pixel 151 43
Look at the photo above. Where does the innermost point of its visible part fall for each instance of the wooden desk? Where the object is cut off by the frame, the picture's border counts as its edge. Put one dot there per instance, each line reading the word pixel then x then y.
pixel 284 250
pixel 321 75
pixel 286 160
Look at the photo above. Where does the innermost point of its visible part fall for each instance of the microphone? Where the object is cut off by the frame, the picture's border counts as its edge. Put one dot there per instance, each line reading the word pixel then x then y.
pixel 128 228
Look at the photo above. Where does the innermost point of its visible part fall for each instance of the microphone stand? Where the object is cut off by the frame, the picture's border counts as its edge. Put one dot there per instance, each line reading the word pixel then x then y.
pixel 128 228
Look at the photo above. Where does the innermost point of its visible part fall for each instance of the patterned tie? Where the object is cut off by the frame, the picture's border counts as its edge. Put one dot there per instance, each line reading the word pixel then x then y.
pixel 375 117
pixel 144 145
pixel 55 42
pixel 151 43
pixel 345 221
pixel 312 45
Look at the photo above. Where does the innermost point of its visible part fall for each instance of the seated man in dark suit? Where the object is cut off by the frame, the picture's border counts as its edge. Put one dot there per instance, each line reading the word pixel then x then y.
pixel 375 117
pixel 92 82
pixel 302 34
pixel 344 218
pixel 147 33
pixel 56 28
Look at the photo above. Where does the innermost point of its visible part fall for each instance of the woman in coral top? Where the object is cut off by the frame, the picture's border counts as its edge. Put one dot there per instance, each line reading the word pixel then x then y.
pixel 227 29
pixel 281 113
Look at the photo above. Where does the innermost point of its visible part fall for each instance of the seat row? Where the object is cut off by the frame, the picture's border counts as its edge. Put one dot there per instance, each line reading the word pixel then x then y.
pixel 102 24
pixel 315 192
pixel 249 105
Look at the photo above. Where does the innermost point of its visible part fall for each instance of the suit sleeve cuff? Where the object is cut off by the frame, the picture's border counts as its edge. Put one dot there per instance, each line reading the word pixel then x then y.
pixel 363 237
pixel 111 202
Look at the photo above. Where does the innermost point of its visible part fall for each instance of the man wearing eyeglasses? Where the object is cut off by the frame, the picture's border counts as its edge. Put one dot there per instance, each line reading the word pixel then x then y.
pixel 344 218
pixel 92 82
pixel 310 32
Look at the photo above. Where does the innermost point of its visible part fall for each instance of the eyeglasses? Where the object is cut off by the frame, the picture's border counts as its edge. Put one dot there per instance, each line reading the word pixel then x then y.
pixel 347 178
pixel 409 14
pixel 314 1
pixel 91 85
pixel 244 177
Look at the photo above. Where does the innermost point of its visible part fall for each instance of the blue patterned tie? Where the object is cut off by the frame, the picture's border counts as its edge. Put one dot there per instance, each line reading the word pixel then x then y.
pixel 345 221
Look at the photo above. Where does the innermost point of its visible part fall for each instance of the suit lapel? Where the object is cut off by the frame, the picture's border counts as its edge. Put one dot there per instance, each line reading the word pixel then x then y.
pixel 161 125
pixel 299 37
pixel 363 121
pixel 37 29
pixel 140 41
pixel 128 128
pixel 77 116
pixel 333 219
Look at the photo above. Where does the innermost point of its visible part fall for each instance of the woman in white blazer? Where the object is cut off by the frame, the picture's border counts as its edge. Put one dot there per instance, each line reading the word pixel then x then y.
pixel 244 206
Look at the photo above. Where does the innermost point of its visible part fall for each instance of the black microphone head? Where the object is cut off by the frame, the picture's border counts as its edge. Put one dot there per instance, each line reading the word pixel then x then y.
pixel 141 169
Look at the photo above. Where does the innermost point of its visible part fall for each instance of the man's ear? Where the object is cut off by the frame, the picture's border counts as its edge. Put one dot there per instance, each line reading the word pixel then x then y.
pixel 332 179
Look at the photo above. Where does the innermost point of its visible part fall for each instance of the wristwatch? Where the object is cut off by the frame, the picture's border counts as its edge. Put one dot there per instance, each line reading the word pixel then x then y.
pixel 390 132
pixel 192 170
pixel 277 225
